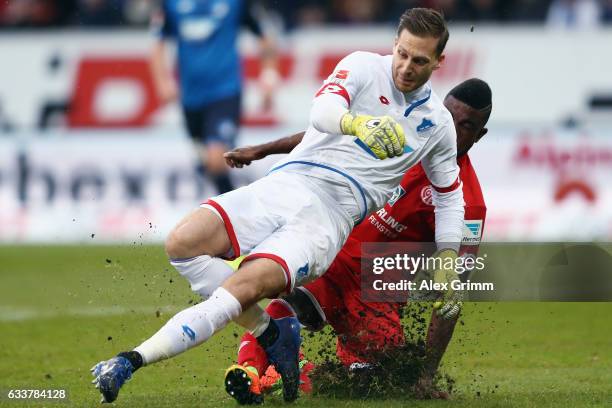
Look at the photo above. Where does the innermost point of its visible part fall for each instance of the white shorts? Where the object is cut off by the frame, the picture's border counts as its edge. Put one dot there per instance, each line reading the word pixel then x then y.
pixel 298 221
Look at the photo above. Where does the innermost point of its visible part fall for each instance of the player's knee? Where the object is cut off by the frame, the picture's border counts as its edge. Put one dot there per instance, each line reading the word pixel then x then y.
pixel 204 273
pixel 183 245
pixel 217 166
pixel 177 245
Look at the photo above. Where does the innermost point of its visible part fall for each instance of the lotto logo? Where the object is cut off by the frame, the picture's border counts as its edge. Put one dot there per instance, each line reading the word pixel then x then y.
pixel 334 89
pixel 189 332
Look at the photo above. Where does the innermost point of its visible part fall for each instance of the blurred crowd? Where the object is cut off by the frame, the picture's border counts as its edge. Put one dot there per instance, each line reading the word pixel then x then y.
pixel 570 14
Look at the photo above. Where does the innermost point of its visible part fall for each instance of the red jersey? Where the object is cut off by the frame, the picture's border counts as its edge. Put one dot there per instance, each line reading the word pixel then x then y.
pixel 409 215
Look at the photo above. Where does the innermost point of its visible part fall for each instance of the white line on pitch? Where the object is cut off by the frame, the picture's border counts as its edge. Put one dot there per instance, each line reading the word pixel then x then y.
pixel 14 314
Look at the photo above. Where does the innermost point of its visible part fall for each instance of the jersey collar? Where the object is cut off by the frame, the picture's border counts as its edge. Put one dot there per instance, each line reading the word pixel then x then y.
pixel 420 93
pixel 417 97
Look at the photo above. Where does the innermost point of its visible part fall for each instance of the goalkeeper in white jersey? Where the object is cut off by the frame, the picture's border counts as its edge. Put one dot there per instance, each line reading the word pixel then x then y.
pixel 374 118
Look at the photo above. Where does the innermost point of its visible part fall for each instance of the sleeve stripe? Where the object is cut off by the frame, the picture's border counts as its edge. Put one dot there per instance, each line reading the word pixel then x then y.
pixel 337 89
pixel 448 189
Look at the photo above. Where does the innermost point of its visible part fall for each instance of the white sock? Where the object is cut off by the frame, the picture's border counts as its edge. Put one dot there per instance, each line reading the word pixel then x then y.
pixel 204 273
pixel 191 327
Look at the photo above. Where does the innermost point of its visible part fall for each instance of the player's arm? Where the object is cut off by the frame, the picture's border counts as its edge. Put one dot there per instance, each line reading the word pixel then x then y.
pixel 441 330
pixel 439 334
pixel 243 156
pixel 268 77
pixel 161 70
pixel 442 170
pixel 382 137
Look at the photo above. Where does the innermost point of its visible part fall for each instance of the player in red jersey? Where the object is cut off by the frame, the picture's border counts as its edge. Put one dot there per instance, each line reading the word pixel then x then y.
pixel 335 298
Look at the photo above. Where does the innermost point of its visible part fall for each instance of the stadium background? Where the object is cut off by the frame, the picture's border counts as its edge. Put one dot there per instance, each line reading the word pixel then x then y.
pixel 89 159
pixel 83 136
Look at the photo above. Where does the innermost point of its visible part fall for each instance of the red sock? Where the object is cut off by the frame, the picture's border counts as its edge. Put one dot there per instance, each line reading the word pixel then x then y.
pixel 250 353
pixel 279 308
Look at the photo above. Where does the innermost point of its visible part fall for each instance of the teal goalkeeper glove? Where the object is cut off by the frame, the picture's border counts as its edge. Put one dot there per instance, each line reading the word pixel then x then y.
pixel 382 134
pixel 448 302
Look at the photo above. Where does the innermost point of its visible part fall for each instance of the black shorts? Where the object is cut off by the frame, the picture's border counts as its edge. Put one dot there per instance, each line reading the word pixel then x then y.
pixel 216 122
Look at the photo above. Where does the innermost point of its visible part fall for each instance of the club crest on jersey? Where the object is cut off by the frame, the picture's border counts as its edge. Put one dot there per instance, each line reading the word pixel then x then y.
pixel 426 195
pixel 472 232
pixel 398 193
pixel 425 124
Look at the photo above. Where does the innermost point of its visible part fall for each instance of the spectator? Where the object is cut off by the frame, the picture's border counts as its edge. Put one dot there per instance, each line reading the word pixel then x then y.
pixel 574 14
pixel 299 13
pixel 529 11
pixel 30 13
pixel 359 11
pixel 99 12
pixel 606 13
pixel 137 12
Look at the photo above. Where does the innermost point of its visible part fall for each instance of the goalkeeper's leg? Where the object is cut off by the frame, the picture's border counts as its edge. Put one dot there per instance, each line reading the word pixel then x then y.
pixel 193 326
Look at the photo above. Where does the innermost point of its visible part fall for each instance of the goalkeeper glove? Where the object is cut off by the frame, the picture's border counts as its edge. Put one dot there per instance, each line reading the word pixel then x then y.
pixel 449 301
pixel 382 134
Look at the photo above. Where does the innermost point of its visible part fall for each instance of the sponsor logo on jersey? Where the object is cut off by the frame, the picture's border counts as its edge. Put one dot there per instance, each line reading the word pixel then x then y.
pixel 197 28
pixel 303 271
pixel 426 195
pixel 472 232
pixel 425 124
pixel 389 221
pixel 398 193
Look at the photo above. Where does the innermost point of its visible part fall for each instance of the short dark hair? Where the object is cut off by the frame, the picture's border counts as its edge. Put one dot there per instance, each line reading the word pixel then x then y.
pixel 425 22
pixel 475 93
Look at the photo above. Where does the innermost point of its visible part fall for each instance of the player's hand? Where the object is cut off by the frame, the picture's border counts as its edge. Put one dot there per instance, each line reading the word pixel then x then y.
pixel 448 301
pixel 382 134
pixel 243 156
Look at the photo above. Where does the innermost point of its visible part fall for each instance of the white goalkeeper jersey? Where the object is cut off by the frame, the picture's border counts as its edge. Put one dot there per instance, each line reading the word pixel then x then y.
pixel 364 83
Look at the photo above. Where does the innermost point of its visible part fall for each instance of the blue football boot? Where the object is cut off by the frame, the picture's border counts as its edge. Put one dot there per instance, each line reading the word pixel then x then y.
pixel 110 376
pixel 284 354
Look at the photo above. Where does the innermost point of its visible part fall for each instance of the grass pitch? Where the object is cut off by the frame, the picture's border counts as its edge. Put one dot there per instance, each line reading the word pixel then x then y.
pixel 62 309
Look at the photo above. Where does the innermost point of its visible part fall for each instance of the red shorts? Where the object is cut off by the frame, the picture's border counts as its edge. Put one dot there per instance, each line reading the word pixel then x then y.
pixel 363 329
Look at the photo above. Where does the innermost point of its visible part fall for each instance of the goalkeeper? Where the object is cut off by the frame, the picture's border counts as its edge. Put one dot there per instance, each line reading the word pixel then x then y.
pixel 365 329
pixel 294 221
